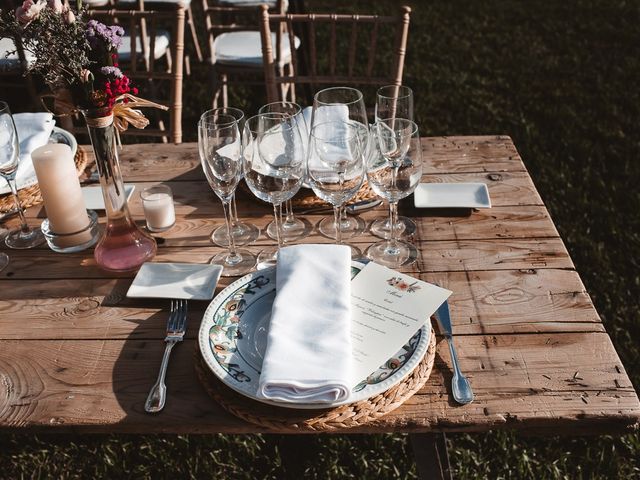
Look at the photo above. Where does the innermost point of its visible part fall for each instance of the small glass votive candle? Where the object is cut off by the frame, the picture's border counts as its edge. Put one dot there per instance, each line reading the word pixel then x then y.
pixel 157 203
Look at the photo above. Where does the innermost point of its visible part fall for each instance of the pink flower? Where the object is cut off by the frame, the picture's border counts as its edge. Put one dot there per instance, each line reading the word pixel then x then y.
pixel 29 11
pixel 68 16
pixel 55 5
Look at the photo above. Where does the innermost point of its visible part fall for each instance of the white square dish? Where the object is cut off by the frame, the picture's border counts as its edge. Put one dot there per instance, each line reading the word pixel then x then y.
pixel 94 200
pixel 452 195
pixel 192 281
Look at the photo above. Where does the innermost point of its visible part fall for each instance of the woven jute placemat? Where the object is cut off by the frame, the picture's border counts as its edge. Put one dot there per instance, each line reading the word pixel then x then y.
pixel 305 198
pixel 324 420
pixel 30 196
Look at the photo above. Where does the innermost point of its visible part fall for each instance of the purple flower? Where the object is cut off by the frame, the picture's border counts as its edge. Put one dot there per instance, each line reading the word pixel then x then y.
pixel 107 37
pixel 111 72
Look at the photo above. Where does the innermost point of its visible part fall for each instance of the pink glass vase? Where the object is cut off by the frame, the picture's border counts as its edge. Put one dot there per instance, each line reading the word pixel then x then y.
pixel 123 247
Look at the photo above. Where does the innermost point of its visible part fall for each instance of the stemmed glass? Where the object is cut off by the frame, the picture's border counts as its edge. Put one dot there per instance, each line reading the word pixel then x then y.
pixel 220 148
pixel 336 166
pixel 394 175
pixel 25 236
pixel 340 104
pixel 293 228
pixel 393 101
pixel 273 166
pixel 243 233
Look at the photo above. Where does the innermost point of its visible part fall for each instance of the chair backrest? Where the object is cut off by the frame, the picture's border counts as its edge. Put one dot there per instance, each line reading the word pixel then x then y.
pixel 362 65
pixel 228 17
pixel 157 76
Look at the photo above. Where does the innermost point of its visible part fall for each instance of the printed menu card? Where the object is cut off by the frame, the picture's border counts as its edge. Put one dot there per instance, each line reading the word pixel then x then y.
pixel 387 309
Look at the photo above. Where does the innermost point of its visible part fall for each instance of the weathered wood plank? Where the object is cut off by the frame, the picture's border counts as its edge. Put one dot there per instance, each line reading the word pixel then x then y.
pixel 434 256
pixel 482 303
pixel 471 154
pixel 157 162
pixel 520 382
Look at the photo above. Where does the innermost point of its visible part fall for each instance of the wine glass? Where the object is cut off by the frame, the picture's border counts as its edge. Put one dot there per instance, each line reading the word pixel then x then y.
pixel 220 148
pixel 25 236
pixel 336 167
pixel 394 175
pixel 273 166
pixel 293 228
pixel 342 104
pixel 243 233
pixel 393 101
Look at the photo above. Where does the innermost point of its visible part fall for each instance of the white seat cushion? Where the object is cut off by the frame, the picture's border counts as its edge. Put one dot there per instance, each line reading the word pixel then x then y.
pixel 160 47
pixel 245 48
pixel 95 3
pixel 12 62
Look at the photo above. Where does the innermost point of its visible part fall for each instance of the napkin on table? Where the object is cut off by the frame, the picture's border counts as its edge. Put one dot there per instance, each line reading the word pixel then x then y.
pixel 34 130
pixel 308 356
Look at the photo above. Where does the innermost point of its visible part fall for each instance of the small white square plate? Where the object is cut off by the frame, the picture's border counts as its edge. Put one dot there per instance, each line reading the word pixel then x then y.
pixel 94 200
pixel 193 281
pixel 452 195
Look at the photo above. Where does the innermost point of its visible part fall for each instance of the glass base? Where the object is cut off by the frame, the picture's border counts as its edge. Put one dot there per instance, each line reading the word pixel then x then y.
pixel 382 227
pixel 4 260
pixel 393 254
pixel 73 242
pixel 243 234
pixel 21 240
pixel 297 229
pixel 242 263
pixel 352 226
pixel 267 258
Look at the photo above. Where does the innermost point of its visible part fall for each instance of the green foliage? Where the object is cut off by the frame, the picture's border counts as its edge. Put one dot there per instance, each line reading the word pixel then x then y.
pixel 561 78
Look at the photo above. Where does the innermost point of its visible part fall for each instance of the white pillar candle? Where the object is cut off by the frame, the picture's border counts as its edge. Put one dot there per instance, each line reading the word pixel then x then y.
pixel 61 192
pixel 159 212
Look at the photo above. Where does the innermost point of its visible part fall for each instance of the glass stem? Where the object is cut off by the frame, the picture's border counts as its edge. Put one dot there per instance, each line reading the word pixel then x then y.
pixel 393 219
pixel 290 219
pixel 14 191
pixel 277 212
pixel 234 210
pixel 337 215
pixel 233 255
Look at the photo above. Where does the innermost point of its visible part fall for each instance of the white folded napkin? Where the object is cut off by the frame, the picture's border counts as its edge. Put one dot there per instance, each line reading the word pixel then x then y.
pixel 308 356
pixel 34 130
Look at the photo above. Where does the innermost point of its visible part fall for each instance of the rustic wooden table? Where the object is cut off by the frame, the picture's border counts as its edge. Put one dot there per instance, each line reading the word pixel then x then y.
pixel 77 355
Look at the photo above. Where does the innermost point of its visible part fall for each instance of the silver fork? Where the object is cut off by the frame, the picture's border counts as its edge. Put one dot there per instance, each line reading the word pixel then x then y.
pixel 176 327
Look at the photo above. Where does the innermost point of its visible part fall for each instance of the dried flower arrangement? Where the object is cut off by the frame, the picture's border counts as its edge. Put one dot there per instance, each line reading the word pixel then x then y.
pixel 76 56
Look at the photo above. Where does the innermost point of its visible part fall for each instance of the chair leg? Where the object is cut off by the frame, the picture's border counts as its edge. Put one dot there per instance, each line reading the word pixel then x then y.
pixel 194 34
pixel 215 84
pixel 225 90
pixel 431 457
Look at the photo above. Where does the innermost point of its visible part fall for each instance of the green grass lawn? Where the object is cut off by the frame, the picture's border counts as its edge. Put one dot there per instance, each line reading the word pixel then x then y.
pixel 561 78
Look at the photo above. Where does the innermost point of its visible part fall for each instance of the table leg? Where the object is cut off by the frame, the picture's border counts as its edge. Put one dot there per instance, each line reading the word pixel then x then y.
pixel 431 457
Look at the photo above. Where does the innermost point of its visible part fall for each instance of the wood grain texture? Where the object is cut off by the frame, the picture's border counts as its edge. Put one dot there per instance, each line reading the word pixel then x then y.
pixel 483 302
pixel 77 355
pixel 559 381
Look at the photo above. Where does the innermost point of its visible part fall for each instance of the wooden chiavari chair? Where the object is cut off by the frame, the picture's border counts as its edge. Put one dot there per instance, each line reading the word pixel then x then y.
pixel 363 63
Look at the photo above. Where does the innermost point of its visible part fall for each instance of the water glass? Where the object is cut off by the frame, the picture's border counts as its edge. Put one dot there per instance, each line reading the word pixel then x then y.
pixel 394 175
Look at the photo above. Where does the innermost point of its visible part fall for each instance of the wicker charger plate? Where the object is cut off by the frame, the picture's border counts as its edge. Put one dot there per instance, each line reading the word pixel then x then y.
pixel 30 196
pixel 305 198
pixel 322 420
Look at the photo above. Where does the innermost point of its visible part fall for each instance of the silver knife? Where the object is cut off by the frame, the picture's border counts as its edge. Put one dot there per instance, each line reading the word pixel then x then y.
pixel 462 392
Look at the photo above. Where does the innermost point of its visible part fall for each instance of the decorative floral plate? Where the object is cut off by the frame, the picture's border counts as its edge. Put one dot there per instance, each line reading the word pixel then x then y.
pixel 233 339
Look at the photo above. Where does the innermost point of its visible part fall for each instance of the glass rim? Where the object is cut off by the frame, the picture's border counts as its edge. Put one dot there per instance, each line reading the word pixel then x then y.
pixel 4 106
pixel 225 111
pixel 408 92
pixel 359 96
pixel 269 115
pixel 411 123
pixel 204 120
pixel 350 123
pixel 293 104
